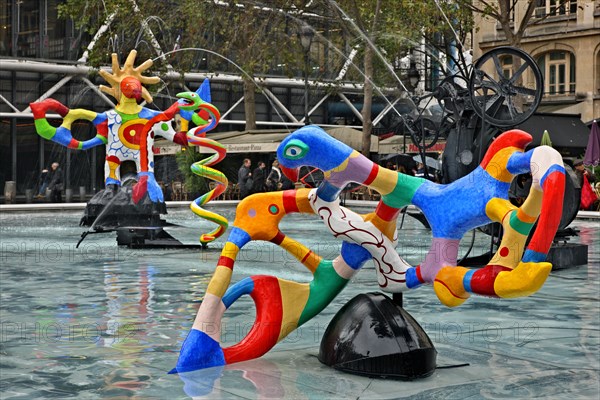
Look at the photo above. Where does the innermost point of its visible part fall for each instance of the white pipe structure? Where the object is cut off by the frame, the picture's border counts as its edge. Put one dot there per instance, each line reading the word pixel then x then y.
pixel 9 64
pixel 79 71
pixel 97 36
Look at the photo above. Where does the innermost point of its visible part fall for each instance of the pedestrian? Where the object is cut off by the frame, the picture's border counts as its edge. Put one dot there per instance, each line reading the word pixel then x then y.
pixel 586 183
pixel 42 184
pixel 259 176
pixel 55 184
pixel 420 172
pixel 286 183
pixel 424 172
pixel 273 181
pixel 245 182
pixel 581 171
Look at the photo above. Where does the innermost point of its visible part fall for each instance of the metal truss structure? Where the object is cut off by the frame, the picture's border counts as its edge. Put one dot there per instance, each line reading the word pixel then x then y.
pixel 71 73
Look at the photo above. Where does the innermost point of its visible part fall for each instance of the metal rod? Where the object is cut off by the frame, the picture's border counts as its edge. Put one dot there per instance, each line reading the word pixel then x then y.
pixel 280 105
pixel 70 69
pixel 98 91
pixel 51 91
pixel 231 108
pixel 352 108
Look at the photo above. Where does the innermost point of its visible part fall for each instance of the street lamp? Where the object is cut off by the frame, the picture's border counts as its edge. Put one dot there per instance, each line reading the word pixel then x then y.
pixel 306 36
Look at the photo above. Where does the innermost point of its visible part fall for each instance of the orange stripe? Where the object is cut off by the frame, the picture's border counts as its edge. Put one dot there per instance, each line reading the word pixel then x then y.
pixel 524 217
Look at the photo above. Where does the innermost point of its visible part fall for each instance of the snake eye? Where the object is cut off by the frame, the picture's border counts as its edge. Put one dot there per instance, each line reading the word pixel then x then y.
pixel 295 149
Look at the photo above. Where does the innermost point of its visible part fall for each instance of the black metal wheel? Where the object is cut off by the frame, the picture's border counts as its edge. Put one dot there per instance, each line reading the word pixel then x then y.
pixel 506 86
pixel 424 133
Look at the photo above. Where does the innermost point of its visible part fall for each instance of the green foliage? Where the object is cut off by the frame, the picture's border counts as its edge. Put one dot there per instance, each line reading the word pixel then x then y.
pixel 193 182
pixel 262 36
pixel 401 25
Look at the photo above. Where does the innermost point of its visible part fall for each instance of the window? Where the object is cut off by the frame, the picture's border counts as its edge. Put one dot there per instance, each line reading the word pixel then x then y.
pixel 555 7
pixel 507 66
pixel 558 70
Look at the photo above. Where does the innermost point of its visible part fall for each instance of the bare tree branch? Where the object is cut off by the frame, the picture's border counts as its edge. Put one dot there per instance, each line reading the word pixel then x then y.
pixel 486 10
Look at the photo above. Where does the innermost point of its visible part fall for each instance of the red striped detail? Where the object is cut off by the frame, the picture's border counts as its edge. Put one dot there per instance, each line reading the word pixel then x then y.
pixel 204 115
pixel 372 175
pixel 386 212
pixel 512 138
pixel 269 314
pixel 226 262
pixel 482 281
pixel 73 144
pixel 552 205
pixel 113 159
pixel 40 108
pixel 278 238
pixel 164 116
pixel 418 272
pixel 289 201
pixel 102 129
pixel 306 256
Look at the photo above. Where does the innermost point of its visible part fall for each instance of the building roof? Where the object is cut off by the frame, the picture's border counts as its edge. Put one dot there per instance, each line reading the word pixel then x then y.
pixel 267 140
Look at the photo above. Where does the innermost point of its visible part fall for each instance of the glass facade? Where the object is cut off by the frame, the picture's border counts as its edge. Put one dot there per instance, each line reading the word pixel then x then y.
pixel 32 29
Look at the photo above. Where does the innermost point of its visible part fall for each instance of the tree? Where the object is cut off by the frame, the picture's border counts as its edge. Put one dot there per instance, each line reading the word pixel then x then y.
pixel 503 10
pixel 242 37
pixel 391 28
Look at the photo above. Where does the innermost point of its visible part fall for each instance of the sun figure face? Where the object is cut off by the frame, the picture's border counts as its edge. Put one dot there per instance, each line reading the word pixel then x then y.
pixel 131 88
pixel 122 80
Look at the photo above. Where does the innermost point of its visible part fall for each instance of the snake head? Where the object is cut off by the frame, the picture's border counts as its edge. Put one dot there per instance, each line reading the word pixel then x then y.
pixel 189 101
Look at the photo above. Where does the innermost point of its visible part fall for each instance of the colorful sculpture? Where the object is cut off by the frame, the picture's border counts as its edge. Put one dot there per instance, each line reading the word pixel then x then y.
pixel 477 199
pixel 128 131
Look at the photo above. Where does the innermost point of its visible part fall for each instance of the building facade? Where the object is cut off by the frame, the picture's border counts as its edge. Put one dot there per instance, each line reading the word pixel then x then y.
pixel 563 37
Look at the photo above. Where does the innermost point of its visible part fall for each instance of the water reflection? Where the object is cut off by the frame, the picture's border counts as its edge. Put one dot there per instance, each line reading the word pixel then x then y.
pixel 260 376
pixel 127 320
pixel 111 325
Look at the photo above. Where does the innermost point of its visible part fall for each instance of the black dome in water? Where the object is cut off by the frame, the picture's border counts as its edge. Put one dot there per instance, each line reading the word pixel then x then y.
pixel 371 335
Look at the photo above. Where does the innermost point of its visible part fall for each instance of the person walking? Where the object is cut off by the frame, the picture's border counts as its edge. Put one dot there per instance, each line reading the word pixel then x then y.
pixel 245 182
pixel 274 178
pixel 581 171
pixel 55 184
pixel 42 184
pixel 259 176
